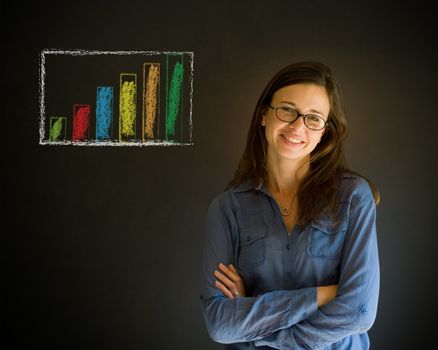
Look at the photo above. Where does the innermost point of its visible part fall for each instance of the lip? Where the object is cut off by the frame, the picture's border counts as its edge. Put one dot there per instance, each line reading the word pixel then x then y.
pixel 291 144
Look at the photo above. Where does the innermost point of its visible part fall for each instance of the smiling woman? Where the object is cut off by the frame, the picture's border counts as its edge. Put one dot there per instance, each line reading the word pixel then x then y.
pixel 288 136
pixel 290 257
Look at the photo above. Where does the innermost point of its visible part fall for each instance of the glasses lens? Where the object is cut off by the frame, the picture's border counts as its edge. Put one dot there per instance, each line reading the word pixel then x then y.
pixel 314 122
pixel 286 114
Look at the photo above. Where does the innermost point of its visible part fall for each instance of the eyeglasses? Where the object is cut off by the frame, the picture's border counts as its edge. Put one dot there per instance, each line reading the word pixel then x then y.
pixel 290 115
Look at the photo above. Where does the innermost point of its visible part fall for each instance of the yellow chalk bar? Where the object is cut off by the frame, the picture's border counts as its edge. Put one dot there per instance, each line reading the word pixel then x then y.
pixel 127 107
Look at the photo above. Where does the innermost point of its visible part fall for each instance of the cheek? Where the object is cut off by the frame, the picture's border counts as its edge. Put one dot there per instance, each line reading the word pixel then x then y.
pixel 316 139
pixel 319 135
pixel 269 135
pixel 269 130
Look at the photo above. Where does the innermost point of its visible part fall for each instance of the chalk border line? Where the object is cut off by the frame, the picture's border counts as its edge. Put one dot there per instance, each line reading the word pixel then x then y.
pixel 80 52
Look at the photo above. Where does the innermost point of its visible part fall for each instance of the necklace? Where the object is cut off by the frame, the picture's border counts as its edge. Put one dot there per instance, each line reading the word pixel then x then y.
pixel 287 210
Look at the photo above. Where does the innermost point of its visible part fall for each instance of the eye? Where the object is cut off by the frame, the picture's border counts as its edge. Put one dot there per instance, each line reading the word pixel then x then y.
pixel 288 110
pixel 314 118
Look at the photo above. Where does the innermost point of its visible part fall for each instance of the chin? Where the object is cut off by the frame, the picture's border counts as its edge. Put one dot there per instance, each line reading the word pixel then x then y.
pixel 294 157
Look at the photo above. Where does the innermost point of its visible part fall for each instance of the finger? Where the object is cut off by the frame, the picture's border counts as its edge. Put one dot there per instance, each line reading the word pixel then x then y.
pixel 235 275
pixel 232 287
pixel 225 280
pixel 239 281
pixel 229 272
pixel 233 268
pixel 224 289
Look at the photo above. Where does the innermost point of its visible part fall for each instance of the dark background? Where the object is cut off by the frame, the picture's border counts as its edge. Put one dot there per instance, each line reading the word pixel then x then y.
pixel 101 246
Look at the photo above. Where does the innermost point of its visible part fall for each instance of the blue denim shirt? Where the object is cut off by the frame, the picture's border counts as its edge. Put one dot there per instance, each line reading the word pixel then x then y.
pixel 281 271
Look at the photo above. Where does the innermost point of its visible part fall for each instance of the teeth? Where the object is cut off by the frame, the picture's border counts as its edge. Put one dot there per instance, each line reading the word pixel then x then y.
pixel 292 140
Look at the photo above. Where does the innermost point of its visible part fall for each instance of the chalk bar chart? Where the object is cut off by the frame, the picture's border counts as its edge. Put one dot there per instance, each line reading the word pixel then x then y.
pixel 116 98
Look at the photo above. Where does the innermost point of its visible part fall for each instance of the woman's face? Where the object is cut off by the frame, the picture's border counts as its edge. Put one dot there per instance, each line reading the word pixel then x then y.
pixel 295 141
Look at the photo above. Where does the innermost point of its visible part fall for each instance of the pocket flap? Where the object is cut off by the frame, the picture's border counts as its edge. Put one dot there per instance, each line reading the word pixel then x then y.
pixel 248 237
pixel 328 228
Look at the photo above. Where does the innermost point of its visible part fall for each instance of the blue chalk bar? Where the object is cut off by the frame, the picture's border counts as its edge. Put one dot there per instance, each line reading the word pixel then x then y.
pixel 104 112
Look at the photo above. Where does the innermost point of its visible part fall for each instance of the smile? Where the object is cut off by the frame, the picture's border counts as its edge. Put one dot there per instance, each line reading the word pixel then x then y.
pixel 292 140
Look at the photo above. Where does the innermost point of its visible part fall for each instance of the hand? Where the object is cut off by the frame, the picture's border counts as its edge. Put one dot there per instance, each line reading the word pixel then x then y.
pixel 229 281
pixel 326 294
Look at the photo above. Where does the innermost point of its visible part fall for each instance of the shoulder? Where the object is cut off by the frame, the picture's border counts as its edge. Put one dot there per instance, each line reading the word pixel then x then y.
pixel 355 188
pixel 235 200
pixel 223 202
pixel 230 196
pixel 223 209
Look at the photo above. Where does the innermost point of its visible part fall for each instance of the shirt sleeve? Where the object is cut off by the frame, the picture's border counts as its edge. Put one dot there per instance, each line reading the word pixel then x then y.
pixel 355 306
pixel 243 319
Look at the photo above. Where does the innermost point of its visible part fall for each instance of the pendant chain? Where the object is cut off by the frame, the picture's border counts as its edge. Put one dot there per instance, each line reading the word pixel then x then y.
pixel 287 210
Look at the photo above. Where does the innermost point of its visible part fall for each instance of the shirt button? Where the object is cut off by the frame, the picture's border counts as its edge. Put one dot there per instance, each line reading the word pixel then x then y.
pixel 288 247
pixel 305 314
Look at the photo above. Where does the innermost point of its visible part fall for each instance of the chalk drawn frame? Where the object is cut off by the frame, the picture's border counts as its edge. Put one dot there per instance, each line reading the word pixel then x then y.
pixel 80 52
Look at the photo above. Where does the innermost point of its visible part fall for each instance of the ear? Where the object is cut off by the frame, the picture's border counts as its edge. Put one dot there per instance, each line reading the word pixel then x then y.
pixel 263 122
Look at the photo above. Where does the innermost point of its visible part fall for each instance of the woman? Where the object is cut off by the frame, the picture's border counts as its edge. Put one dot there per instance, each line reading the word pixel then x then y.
pixel 290 259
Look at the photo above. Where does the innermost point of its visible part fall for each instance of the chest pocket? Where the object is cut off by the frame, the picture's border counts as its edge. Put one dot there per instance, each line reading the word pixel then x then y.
pixel 252 247
pixel 326 241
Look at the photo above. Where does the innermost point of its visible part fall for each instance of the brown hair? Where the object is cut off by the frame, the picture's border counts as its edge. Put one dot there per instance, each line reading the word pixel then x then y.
pixel 318 191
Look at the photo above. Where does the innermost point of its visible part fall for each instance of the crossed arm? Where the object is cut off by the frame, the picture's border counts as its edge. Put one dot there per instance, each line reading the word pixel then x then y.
pixel 231 284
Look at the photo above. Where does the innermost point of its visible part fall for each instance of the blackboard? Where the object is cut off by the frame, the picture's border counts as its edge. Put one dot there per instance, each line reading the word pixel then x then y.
pixel 101 246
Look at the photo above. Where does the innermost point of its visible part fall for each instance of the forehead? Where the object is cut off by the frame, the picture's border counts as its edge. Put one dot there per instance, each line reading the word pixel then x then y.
pixel 304 97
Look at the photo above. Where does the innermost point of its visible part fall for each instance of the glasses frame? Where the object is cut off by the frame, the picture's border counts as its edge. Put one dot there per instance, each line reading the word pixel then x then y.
pixel 298 116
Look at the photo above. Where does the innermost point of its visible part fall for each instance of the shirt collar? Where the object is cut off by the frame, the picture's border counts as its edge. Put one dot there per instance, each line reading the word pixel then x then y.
pixel 247 186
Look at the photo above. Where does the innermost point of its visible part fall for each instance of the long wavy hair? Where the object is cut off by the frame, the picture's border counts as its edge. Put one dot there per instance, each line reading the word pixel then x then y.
pixel 318 190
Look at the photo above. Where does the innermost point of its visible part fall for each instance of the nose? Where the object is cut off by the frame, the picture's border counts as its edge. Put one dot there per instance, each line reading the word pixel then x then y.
pixel 297 123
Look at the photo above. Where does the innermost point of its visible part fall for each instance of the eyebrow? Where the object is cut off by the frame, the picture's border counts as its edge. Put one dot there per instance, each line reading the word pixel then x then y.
pixel 293 104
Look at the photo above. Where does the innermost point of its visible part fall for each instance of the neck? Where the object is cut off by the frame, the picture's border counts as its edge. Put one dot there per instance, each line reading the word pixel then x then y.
pixel 285 175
